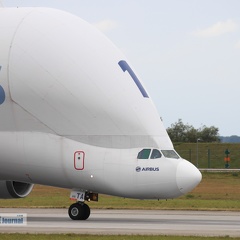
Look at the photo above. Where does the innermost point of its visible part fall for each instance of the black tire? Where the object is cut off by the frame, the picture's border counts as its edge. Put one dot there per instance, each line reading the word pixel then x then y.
pixel 85 212
pixel 78 211
pixel 74 211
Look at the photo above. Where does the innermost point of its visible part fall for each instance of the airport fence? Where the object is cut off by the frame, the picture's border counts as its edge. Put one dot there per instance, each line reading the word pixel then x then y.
pixel 210 155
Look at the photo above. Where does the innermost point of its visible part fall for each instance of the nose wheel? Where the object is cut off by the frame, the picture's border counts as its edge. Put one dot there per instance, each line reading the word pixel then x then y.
pixel 79 211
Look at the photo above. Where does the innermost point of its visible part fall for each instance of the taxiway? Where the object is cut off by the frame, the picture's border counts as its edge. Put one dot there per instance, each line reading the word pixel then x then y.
pixel 143 222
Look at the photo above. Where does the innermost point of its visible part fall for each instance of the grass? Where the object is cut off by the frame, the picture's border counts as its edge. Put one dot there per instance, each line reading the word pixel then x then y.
pixel 99 237
pixel 210 155
pixel 217 191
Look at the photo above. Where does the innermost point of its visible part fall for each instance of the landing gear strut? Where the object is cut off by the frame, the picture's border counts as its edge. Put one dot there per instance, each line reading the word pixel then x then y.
pixel 79 211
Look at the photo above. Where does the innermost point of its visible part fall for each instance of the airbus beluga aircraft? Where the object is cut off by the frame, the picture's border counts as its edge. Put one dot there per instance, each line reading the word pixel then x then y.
pixel 75 115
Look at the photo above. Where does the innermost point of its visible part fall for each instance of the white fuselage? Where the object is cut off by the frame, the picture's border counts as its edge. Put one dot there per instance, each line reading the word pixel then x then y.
pixel 74 114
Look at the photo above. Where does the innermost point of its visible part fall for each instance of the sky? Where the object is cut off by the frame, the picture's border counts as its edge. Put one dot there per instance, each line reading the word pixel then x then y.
pixel 186 52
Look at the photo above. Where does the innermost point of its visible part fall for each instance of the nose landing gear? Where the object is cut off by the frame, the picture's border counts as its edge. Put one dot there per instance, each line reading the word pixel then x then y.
pixel 80 210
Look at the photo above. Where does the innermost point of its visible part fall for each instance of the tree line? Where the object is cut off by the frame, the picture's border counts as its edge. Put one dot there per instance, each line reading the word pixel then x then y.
pixel 180 132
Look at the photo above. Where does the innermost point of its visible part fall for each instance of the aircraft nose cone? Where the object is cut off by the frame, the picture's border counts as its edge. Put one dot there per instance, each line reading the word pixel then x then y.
pixel 187 177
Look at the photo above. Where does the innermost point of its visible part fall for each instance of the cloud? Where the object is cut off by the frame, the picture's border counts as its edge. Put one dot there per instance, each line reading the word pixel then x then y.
pixel 106 25
pixel 237 45
pixel 217 29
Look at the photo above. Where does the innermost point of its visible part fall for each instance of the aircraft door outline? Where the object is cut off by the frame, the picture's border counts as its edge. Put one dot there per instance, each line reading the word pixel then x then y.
pixel 79 157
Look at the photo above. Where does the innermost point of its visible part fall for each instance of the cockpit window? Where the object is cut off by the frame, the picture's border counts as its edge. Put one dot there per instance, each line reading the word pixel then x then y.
pixel 144 154
pixel 170 154
pixel 155 154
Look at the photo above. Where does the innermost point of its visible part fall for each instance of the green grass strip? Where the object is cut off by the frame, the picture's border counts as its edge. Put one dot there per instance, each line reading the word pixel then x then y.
pixel 101 237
